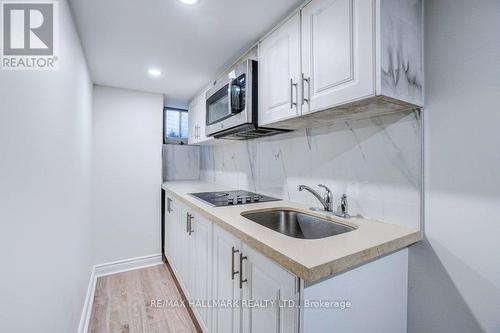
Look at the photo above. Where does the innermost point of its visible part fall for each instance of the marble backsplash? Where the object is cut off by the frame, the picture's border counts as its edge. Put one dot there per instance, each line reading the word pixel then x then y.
pixel 180 162
pixel 375 161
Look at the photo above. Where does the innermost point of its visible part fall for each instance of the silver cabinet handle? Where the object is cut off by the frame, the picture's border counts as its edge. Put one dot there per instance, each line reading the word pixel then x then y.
pixel 242 257
pixel 279 311
pixel 233 272
pixel 187 222
pixel 308 80
pixel 190 228
pixel 169 205
pixel 292 103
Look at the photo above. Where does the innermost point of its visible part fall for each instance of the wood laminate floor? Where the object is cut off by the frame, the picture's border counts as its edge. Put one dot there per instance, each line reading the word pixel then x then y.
pixel 122 303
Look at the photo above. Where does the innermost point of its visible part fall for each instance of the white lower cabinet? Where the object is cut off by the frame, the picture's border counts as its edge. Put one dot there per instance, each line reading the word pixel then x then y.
pixel 201 267
pixel 235 289
pixel 170 221
pixel 188 247
pixel 225 286
pixel 275 288
pixel 184 251
pixel 226 281
pixel 257 285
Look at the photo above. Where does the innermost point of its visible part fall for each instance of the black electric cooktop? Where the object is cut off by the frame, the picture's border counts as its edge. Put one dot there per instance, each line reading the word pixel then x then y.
pixel 230 198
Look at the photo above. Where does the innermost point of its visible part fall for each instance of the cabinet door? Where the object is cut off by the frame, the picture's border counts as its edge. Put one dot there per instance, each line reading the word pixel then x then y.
pixel 170 221
pixel 337 52
pixel 268 281
pixel 279 68
pixel 183 251
pixel 226 247
pixel 172 233
pixel 201 118
pixel 192 112
pixel 201 265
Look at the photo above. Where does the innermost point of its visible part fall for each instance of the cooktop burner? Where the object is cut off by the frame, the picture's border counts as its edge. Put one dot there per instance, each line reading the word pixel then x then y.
pixel 230 198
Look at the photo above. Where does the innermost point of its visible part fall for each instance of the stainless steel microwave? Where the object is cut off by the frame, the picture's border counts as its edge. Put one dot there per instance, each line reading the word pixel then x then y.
pixel 232 105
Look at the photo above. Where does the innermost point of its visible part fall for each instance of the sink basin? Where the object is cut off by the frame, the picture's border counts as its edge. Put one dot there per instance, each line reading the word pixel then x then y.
pixel 297 224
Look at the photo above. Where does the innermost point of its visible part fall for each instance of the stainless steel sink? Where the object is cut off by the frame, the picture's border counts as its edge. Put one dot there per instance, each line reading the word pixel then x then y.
pixel 297 224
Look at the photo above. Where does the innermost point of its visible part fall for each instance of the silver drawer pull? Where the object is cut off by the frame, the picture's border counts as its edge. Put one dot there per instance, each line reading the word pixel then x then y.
pixel 308 80
pixel 233 272
pixel 292 103
pixel 242 257
pixel 190 228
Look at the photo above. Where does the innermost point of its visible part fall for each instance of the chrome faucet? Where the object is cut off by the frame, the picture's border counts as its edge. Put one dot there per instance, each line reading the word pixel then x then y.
pixel 326 201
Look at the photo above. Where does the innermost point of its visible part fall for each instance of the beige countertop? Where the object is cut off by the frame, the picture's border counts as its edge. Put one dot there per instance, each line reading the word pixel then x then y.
pixel 309 259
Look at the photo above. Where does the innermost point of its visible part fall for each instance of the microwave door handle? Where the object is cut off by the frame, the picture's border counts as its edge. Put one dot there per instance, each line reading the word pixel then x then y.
pixel 229 96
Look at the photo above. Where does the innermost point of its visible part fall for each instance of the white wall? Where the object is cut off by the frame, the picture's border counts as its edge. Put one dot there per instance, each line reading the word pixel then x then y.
pixel 455 275
pixel 45 119
pixel 126 173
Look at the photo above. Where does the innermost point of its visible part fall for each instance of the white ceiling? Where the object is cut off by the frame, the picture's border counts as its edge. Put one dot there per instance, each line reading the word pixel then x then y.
pixel 189 44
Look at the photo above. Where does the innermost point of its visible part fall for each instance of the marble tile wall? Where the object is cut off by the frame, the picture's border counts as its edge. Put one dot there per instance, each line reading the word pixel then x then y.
pixel 180 162
pixel 401 50
pixel 376 162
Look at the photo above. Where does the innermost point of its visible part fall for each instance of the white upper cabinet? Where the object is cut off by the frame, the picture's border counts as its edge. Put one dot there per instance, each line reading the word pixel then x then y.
pixel 197 119
pixel 342 59
pixel 337 53
pixel 202 116
pixel 279 73
pixel 192 115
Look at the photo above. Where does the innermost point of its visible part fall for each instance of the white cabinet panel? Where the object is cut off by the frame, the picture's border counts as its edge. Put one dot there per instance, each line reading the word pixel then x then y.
pixel 197 120
pixel 192 122
pixel 267 281
pixel 332 44
pixel 226 250
pixel 202 117
pixel 184 251
pixel 377 296
pixel 337 52
pixel 188 247
pixel 201 232
pixel 170 228
pixel 279 68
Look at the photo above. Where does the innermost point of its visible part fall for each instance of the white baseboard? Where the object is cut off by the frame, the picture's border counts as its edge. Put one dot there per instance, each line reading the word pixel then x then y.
pixel 127 265
pixel 108 269
pixel 83 327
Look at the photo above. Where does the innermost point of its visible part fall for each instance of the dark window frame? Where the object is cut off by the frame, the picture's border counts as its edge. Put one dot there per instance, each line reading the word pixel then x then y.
pixel 179 140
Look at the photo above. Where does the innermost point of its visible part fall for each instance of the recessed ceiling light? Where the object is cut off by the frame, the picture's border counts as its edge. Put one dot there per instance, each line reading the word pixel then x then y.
pixel 189 2
pixel 154 72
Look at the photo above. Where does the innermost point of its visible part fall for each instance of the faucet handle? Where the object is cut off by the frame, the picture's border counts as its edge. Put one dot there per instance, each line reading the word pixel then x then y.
pixel 344 206
pixel 325 187
pixel 328 197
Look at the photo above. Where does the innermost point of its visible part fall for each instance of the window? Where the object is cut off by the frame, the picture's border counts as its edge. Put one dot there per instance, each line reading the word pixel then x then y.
pixel 175 125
